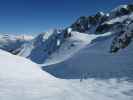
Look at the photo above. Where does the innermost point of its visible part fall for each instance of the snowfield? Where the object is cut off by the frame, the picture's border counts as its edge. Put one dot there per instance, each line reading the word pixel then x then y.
pixel 21 79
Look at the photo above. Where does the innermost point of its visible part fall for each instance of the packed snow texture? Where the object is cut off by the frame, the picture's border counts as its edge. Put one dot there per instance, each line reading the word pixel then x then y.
pixel 21 79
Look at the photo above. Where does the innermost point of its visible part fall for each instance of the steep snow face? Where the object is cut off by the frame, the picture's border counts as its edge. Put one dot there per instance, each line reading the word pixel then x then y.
pixel 96 61
pixel 71 46
pixel 12 43
pixel 42 46
pixel 22 79
pixel 120 19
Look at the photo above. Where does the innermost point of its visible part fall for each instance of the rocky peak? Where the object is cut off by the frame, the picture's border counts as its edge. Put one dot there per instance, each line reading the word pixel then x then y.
pixel 121 10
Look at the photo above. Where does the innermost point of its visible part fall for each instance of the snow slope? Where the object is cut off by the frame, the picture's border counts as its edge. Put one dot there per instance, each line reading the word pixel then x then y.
pixel 38 49
pixel 96 61
pixel 52 47
pixel 42 46
pixel 119 19
pixel 71 46
pixel 21 79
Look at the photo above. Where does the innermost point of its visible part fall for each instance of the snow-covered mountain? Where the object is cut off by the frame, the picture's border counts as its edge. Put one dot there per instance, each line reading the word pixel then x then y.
pixel 108 55
pixel 43 45
pixel 24 80
pixel 54 46
pixel 12 43
pixel 95 60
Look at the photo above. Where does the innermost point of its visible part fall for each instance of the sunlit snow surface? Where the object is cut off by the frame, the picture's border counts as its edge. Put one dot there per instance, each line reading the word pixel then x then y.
pixel 71 46
pixel 119 19
pixel 96 61
pixel 21 79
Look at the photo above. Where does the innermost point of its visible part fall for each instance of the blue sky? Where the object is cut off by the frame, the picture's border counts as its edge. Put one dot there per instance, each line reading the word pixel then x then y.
pixel 35 16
